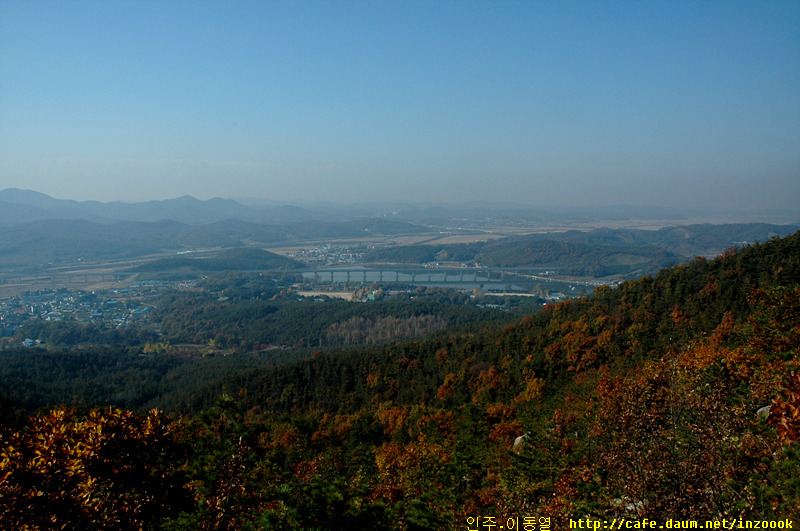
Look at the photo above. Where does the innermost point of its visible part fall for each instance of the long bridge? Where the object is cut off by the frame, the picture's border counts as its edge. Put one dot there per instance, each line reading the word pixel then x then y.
pixel 461 275
pixel 344 274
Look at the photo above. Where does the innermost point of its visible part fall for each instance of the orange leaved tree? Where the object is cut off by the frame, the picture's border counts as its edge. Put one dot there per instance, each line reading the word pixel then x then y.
pixel 108 469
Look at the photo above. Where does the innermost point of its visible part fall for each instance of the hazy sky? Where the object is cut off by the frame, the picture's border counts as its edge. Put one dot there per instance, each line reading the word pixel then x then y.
pixel 538 102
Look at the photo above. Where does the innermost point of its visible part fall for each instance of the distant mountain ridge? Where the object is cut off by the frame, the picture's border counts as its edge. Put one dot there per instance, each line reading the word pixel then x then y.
pixel 24 206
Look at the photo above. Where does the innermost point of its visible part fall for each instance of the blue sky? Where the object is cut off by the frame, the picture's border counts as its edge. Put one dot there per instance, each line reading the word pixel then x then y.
pixel 688 103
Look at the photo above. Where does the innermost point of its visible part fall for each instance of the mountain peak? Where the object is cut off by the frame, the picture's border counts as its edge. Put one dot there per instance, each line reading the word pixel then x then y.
pixel 26 197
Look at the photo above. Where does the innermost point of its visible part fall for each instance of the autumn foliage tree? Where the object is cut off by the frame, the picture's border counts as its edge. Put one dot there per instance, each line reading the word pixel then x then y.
pixel 107 469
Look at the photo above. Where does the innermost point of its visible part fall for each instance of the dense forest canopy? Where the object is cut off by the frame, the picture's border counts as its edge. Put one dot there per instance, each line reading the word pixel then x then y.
pixel 674 396
pixel 235 321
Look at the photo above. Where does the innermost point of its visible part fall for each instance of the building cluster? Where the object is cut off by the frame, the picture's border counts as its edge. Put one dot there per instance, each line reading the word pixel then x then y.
pixel 328 255
pixel 109 307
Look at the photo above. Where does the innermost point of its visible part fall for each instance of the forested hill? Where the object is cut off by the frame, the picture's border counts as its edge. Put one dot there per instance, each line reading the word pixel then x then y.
pixel 599 252
pixel 239 259
pixel 638 400
pixel 614 328
pixel 675 396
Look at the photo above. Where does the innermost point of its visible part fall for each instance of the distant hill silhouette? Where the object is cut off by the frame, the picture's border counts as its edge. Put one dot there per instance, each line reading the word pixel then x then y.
pixel 36 229
pixel 23 206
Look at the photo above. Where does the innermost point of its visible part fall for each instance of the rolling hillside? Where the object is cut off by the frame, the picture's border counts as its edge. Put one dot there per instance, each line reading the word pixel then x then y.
pixel 671 397
pixel 597 253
